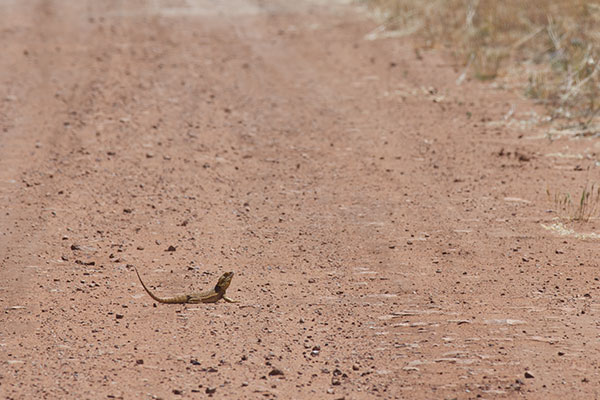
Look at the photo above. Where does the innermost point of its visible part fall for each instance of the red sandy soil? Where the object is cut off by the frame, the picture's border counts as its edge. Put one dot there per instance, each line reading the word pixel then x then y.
pixel 385 225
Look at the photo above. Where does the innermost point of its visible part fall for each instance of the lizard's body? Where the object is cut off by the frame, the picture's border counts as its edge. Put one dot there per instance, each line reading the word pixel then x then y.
pixel 208 296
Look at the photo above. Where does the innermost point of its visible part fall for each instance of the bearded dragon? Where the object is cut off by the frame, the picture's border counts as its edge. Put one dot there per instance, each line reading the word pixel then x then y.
pixel 208 296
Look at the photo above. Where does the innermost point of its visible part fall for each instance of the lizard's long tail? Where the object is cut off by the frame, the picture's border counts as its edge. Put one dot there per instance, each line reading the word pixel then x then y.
pixel 169 300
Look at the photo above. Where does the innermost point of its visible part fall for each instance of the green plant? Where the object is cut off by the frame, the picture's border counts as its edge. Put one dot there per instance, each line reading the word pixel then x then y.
pixel 581 210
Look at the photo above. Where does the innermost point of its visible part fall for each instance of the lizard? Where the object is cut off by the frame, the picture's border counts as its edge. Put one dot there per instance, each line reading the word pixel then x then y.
pixel 208 296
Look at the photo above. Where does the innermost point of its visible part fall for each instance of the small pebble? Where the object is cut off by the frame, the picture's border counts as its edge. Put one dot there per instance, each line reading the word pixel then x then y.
pixel 211 389
pixel 315 351
pixel 276 372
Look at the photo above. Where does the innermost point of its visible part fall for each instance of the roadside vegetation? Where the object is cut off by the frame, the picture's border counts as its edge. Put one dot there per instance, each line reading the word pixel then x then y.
pixel 579 209
pixel 551 49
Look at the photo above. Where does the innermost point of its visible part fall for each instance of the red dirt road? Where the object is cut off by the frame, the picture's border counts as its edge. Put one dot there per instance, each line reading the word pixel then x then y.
pixel 385 225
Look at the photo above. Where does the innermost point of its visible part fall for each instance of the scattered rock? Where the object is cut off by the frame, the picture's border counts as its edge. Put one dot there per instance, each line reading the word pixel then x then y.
pixel 210 390
pixel 515 386
pixel 529 375
pixel 276 372
pixel 139 362
pixel 522 157
pixel 119 316
pixel 171 248
pixel 177 391
pixel 85 262
pixel 194 362
pixel 75 247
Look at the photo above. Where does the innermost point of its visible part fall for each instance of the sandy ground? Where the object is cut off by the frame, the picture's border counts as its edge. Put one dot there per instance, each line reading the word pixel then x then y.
pixel 388 228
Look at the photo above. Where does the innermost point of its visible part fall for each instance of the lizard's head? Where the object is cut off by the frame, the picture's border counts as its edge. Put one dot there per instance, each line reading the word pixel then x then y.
pixel 224 282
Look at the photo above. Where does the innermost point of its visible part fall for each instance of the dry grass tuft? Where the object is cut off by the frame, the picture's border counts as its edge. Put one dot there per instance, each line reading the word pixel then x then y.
pixel 557 44
pixel 581 210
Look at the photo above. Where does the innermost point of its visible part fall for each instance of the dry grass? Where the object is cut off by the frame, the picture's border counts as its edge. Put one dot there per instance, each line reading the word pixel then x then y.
pixel 581 210
pixel 556 43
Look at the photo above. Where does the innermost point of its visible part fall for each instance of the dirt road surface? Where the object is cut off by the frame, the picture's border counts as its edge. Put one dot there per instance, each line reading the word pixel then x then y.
pixel 388 228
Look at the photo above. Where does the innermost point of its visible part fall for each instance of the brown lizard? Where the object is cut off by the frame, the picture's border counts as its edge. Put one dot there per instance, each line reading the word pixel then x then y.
pixel 208 296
